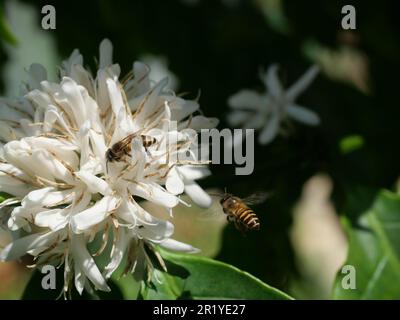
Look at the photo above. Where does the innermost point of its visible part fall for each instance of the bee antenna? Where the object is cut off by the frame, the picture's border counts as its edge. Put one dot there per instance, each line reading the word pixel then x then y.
pixel 214 194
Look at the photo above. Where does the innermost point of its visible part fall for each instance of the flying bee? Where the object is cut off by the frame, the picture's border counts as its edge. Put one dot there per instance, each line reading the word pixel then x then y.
pixel 238 211
pixel 122 148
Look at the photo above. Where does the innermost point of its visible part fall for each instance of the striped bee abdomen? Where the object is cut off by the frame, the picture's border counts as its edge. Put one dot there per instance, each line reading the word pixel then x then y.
pixel 148 141
pixel 249 218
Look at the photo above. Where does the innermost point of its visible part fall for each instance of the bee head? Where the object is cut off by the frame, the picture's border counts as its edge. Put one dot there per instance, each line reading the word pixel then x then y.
pixel 228 201
pixel 110 155
pixel 224 198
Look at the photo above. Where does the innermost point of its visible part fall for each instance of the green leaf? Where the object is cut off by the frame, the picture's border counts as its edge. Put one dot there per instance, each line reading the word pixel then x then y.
pixel 4 196
pixel 195 277
pixel 128 286
pixel 374 251
pixel 5 32
pixel 351 143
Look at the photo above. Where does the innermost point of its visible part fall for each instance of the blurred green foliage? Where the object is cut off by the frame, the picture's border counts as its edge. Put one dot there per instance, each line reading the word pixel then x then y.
pixel 351 143
pixel 374 247
pixel 5 32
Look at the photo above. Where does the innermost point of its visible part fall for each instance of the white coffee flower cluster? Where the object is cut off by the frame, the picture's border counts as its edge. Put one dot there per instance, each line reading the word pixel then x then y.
pixel 269 110
pixel 64 191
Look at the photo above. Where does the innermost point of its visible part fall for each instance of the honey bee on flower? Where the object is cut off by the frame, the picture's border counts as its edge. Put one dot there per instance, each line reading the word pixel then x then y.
pixel 64 190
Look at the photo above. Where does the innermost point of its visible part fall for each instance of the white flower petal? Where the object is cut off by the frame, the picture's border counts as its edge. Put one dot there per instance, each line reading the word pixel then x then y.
pixel 156 230
pixel 16 223
pixel 117 253
pixel 8 133
pixel 270 130
pixel 247 99
pixel 180 108
pixel 74 98
pixel 255 121
pixel 80 278
pixel 83 78
pixel 10 113
pixel 14 186
pixel 153 193
pixel 46 197
pixel 302 114
pixel 37 73
pixel 84 261
pixel 199 122
pixel 20 217
pixel 52 167
pixel 194 172
pixel 94 215
pixel 74 59
pixel 95 184
pixel 149 105
pixel 302 84
pixel 128 212
pixel 81 201
pixel 140 83
pixel 272 82
pixel 197 194
pixel 21 246
pixel 174 245
pixel 103 99
pixel 174 183
pixel 38 98
pixel 53 219
pixel 98 144
pixel 106 50
pixel 235 118
pixel 118 107
pixel 21 155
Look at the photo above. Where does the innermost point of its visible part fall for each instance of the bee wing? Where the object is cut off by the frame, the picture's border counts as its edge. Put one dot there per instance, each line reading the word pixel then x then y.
pixel 256 198
pixel 122 144
pixel 216 194
pixel 209 214
pixel 214 211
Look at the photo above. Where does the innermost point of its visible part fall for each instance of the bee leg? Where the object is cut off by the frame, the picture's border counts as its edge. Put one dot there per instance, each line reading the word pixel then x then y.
pixel 241 228
pixel 107 166
pixel 147 152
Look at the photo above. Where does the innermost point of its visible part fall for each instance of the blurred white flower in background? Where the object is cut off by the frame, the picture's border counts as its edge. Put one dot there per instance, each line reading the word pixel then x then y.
pixel 34 45
pixel 314 217
pixel 267 111
pixel 158 66
pixel 63 190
